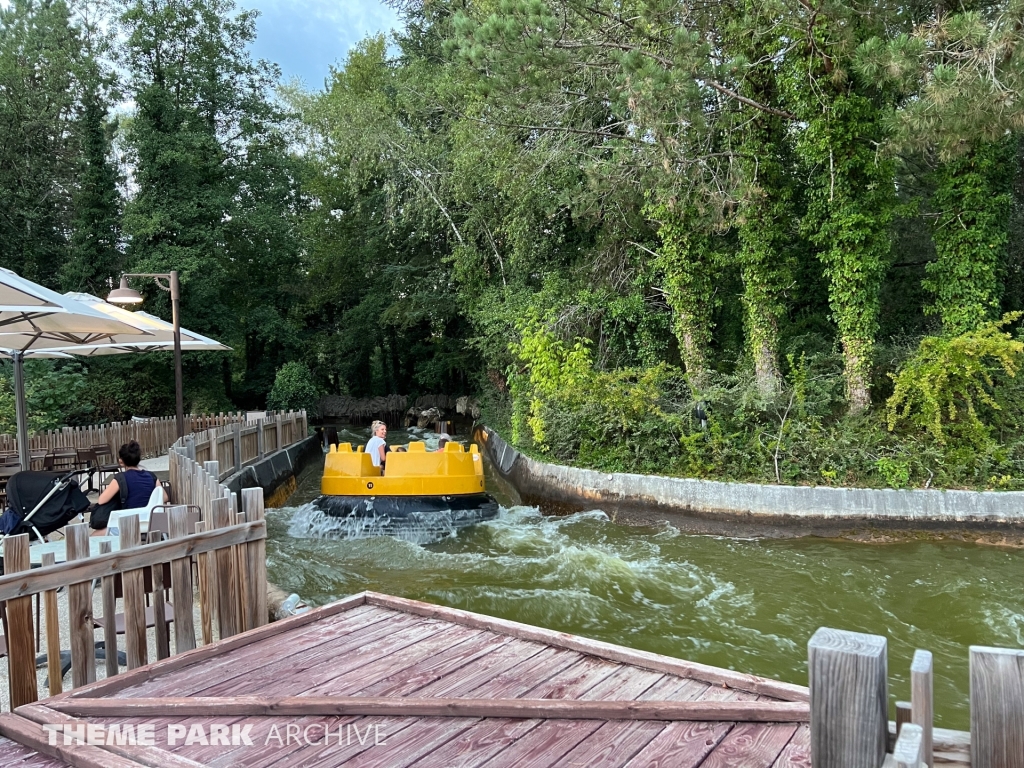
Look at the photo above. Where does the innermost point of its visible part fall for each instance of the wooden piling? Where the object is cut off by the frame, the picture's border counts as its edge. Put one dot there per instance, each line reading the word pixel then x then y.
pixel 54 675
pixel 83 633
pixel 921 703
pixel 21 635
pixel 849 700
pixel 997 707
pixel 133 584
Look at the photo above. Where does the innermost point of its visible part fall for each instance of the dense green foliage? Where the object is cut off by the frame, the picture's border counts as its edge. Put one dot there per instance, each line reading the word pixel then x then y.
pixel 294 389
pixel 739 240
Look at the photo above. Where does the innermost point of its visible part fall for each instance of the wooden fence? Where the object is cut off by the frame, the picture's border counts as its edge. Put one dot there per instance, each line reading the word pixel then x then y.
pixel 237 445
pixel 229 558
pixel 155 436
pixel 221 563
pixel 850 707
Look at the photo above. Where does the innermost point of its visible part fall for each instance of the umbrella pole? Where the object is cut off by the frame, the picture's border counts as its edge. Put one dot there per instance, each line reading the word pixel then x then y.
pixel 19 407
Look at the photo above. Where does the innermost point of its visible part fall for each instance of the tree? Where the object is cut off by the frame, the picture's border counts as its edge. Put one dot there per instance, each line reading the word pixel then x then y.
pixel 41 60
pixel 215 196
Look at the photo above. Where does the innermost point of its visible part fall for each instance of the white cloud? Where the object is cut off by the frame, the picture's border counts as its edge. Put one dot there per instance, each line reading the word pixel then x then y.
pixel 305 37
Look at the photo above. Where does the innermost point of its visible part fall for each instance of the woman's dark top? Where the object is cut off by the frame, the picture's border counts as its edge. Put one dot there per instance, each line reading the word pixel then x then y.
pixel 140 487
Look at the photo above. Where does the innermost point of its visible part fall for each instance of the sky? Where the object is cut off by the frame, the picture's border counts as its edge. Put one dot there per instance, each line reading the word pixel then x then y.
pixel 305 37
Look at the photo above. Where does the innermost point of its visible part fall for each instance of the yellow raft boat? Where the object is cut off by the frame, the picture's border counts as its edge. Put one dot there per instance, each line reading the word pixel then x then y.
pixel 437 490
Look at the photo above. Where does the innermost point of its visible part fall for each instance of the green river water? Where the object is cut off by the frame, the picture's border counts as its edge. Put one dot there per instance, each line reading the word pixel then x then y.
pixel 743 604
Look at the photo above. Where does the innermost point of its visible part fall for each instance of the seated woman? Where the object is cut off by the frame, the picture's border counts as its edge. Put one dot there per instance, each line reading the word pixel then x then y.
pixel 377 445
pixel 129 489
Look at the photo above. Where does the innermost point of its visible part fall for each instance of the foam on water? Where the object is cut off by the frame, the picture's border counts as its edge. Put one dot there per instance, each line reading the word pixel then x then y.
pixel 309 522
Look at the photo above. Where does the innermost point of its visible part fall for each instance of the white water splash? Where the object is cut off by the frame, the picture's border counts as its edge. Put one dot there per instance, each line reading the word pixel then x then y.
pixel 308 522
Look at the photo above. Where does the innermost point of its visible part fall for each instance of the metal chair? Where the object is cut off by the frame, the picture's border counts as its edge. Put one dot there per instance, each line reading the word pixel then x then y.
pixel 85 459
pixel 119 618
pixel 60 459
pixel 106 464
pixel 36 457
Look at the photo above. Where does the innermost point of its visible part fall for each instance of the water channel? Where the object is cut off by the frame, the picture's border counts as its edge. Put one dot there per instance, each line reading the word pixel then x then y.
pixel 743 604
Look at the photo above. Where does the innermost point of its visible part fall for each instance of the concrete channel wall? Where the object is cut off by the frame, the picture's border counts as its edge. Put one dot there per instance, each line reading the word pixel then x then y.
pixel 276 473
pixel 538 482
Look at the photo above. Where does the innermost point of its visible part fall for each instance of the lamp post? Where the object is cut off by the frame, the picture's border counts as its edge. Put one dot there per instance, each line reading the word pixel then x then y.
pixel 165 281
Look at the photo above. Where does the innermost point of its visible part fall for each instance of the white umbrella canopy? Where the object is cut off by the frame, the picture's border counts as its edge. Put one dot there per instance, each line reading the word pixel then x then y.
pixel 33 317
pixel 159 338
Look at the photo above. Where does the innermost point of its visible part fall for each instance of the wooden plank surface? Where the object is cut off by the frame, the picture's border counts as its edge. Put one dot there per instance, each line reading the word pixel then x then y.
pixel 15 755
pixel 145 755
pixel 607 743
pixel 209 665
pixel 683 745
pixel 750 745
pixel 413 738
pixel 30 734
pixel 797 754
pixel 300 706
pixel 330 660
pixel 753 683
pixel 21 665
pixel 486 738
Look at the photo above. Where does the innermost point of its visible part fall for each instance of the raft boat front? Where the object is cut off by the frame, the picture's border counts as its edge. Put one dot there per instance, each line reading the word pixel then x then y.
pixel 422 495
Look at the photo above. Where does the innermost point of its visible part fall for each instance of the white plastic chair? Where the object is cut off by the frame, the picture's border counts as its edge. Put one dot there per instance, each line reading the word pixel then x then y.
pixel 156 499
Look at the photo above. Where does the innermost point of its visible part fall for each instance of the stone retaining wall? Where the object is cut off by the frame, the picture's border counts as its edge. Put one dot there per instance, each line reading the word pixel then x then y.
pixel 538 482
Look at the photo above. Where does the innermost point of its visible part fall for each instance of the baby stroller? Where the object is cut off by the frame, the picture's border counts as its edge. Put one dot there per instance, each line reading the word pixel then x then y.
pixel 39 503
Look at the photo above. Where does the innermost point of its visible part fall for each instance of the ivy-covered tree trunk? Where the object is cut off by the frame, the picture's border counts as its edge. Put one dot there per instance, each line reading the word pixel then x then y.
pixel 851 203
pixel 973 202
pixel 764 219
pixel 764 216
pixel 686 263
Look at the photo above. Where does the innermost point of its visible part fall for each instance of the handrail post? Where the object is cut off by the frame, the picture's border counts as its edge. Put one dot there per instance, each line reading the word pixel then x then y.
pixel 921 700
pixel 237 429
pixel 847 672
pixel 997 707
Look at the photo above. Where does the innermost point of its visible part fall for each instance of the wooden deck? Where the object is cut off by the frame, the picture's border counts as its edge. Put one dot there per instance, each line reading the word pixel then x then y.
pixel 404 683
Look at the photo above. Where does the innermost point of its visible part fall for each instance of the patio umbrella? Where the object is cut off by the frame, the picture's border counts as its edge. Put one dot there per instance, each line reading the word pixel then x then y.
pixel 159 338
pixel 35 318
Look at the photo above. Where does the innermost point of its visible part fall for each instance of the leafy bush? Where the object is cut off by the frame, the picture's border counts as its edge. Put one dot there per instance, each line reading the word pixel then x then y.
pixel 949 384
pixel 653 420
pixel 294 389
pixel 55 396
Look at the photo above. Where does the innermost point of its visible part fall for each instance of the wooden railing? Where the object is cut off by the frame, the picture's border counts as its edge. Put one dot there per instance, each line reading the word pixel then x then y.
pixel 850 706
pixel 237 445
pixel 228 550
pixel 155 435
